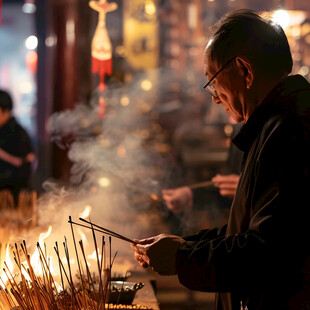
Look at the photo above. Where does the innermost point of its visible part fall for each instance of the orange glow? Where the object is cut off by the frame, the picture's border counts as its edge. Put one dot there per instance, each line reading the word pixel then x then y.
pixel 32 61
pixel 86 212
pixel 35 258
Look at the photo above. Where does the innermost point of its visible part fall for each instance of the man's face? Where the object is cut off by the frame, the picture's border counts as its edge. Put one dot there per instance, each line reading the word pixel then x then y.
pixel 4 116
pixel 229 88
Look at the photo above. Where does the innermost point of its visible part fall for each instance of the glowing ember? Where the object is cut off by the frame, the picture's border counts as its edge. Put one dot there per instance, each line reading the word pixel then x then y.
pixel 154 197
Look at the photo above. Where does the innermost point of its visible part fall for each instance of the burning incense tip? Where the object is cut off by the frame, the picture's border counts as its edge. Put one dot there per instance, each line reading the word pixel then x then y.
pixel 154 197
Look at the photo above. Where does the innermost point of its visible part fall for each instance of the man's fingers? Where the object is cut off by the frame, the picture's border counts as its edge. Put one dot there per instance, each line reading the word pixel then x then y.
pixel 146 241
pixel 141 260
pixel 167 192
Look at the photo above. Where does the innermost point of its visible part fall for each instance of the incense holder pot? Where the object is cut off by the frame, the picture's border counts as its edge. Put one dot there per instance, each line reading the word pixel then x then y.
pixel 123 292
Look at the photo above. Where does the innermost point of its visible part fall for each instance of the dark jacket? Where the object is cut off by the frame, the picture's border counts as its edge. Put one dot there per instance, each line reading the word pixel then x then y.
pixel 261 258
pixel 15 141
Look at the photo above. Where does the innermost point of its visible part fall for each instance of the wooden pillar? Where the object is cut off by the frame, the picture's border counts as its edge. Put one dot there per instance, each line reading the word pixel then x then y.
pixel 57 22
pixel 65 80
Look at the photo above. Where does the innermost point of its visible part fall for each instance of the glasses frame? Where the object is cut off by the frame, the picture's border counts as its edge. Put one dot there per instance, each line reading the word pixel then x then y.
pixel 207 87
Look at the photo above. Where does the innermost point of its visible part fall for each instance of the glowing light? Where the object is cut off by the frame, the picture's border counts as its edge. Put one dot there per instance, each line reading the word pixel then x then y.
pixel 31 42
pixel 120 50
pixel 296 31
pixel 150 8
pixel 94 255
pixel 104 182
pixel 145 108
pixel 154 197
pixel 228 129
pixel 82 235
pixel 25 87
pixel 59 288
pixel 70 31
pixel 9 263
pixel 86 212
pixel 32 61
pixel 121 151
pixel 125 101
pixel 282 18
pixel 25 273
pixel 29 8
pixel 45 235
pixel 307 39
pixel 146 85
pixel 104 142
pixel 35 258
pixel 93 189
pixel 50 41
pixel 64 260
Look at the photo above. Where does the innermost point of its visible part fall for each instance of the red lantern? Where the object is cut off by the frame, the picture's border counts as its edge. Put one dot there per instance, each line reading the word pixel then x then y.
pixel 32 61
pixel 101 48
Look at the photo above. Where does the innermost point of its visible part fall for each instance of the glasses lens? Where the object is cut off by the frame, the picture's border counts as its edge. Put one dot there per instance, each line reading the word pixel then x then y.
pixel 211 90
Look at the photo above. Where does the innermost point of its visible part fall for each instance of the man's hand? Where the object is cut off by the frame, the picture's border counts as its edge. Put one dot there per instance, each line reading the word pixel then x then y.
pixel 158 252
pixel 227 184
pixel 179 199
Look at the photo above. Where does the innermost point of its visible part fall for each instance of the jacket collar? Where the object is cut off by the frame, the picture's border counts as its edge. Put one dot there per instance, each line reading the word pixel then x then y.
pixel 271 105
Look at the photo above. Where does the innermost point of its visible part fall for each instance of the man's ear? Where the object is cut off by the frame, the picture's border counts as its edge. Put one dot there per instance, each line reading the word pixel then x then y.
pixel 247 70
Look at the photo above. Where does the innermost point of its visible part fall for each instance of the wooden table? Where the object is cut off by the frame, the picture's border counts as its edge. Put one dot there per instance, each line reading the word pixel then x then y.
pixel 145 296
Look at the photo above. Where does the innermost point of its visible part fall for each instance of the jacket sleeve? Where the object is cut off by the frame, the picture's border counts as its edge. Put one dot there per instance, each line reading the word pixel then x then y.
pixel 271 245
pixel 207 234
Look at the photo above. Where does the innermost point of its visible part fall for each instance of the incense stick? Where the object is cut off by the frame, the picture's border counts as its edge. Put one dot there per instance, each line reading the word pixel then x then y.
pixel 159 199
pixel 201 184
pixel 104 230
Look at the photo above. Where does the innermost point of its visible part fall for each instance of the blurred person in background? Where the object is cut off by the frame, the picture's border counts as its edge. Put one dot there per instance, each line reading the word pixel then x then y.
pixel 260 260
pixel 184 199
pixel 16 150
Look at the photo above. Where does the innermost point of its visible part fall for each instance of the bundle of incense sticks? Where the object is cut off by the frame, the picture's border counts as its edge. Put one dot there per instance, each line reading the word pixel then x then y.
pixel 102 230
pixel 30 291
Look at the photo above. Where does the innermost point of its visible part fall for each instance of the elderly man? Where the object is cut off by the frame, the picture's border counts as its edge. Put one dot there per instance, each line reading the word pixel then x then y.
pixel 260 260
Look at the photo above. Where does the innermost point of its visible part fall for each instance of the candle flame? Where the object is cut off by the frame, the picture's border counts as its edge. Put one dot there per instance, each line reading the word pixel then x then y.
pixel 35 258
pixel 86 212
pixel 9 263
pixel 82 235
pixel 94 255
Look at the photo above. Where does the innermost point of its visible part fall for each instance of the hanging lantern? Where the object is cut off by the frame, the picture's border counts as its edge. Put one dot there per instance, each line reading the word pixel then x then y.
pixel 101 47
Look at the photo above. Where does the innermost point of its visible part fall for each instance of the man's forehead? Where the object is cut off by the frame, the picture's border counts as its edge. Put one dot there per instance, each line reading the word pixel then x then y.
pixel 209 65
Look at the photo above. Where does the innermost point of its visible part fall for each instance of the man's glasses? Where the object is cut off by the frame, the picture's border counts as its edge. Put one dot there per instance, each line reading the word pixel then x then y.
pixel 209 87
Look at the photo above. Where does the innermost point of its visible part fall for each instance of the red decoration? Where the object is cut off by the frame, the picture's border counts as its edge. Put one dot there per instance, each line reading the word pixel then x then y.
pixel 0 10
pixel 101 48
pixel 32 61
pixel 101 107
pixel 102 67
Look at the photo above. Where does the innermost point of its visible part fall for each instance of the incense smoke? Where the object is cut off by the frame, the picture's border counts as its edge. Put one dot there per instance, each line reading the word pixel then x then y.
pixel 115 167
